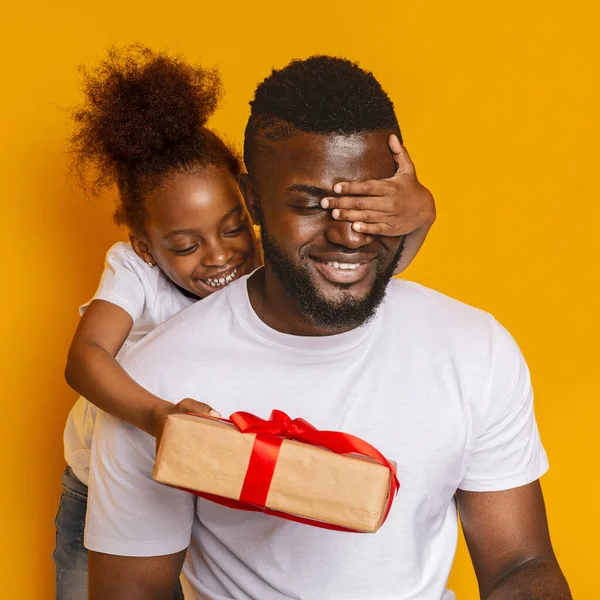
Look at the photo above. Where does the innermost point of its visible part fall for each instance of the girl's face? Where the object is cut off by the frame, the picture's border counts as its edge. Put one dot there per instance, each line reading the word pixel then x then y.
pixel 198 230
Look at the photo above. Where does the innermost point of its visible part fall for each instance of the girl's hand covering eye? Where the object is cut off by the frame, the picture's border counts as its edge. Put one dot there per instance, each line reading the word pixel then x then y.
pixel 396 206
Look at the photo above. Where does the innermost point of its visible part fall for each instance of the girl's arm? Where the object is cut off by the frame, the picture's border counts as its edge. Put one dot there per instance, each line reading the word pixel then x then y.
pixel 93 372
pixel 412 244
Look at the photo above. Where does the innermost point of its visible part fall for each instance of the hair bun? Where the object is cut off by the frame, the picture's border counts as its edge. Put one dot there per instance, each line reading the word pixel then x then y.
pixel 139 103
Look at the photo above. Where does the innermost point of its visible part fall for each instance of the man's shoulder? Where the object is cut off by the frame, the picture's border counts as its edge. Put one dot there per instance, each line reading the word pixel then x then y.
pixel 426 314
pixel 210 312
pixel 473 337
pixel 189 329
pixel 420 300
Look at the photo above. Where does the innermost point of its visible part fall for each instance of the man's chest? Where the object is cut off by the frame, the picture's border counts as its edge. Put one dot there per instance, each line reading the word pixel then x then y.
pixel 415 412
pixel 412 405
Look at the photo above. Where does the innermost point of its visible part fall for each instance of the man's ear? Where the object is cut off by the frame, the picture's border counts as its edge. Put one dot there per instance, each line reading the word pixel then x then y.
pixel 141 248
pixel 251 197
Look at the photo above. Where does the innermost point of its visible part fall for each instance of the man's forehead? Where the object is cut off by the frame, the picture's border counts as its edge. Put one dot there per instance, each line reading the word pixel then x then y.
pixel 325 159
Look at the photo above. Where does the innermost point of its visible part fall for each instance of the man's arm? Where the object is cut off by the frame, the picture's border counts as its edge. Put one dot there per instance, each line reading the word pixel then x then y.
pixel 137 530
pixel 509 543
pixel 133 578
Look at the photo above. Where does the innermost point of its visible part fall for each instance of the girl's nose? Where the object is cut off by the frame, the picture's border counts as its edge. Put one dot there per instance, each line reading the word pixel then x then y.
pixel 216 255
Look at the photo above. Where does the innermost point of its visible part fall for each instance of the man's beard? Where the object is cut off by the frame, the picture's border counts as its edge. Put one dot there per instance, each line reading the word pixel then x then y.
pixel 346 312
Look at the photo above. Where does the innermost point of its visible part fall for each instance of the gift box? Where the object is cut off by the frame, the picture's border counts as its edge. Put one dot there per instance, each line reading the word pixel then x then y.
pixel 282 467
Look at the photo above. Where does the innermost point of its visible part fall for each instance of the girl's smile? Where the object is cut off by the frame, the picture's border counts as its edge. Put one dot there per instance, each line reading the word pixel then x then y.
pixel 198 230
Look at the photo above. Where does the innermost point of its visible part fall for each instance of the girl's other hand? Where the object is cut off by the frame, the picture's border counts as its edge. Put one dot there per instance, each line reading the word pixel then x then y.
pixel 187 405
pixel 396 206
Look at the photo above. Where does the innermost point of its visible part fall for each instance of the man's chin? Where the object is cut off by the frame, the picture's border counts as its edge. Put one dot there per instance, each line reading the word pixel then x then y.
pixel 329 304
pixel 341 297
pixel 337 306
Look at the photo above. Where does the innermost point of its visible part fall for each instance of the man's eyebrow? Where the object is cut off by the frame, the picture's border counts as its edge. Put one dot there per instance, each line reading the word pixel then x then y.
pixel 177 232
pixel 311 190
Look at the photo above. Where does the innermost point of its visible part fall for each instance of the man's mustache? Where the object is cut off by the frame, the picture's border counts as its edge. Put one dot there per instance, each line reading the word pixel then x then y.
pixel 371 249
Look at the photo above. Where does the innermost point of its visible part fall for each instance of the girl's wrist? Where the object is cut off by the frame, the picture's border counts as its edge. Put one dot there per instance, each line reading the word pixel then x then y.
pixel 157 417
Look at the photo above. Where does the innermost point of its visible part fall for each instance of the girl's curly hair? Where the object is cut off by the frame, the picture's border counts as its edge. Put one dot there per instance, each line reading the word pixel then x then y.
pixel 144 116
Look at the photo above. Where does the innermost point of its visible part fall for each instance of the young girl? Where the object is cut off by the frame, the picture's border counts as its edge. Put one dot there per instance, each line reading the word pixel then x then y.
pixel 142 127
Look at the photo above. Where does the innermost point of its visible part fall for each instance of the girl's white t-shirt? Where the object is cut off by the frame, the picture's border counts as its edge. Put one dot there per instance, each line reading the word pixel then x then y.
pixel 150 298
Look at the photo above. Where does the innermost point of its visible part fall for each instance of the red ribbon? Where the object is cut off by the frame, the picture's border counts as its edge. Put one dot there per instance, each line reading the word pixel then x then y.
pixel 263 459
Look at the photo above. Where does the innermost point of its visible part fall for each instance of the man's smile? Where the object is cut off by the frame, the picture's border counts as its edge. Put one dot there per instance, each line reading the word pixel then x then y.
pixel 345 269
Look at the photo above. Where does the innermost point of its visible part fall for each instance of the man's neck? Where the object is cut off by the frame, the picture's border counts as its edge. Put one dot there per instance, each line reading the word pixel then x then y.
pixel 278 310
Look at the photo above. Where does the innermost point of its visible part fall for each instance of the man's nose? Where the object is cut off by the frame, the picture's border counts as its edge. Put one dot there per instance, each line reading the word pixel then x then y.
pixel 341 233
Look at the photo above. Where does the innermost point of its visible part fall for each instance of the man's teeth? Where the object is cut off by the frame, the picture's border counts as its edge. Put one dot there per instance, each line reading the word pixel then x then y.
pixel 221 281
pixel 343 266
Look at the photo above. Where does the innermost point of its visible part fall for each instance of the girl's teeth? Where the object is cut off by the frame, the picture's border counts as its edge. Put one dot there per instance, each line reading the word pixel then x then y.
pixel 343 266
pixel 220 281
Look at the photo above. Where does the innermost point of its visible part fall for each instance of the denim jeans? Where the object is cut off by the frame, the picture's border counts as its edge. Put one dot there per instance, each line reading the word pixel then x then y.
pixel 70 556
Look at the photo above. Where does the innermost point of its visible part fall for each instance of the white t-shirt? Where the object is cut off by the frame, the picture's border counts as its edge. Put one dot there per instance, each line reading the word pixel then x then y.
pixel 150 298
pixel 437 386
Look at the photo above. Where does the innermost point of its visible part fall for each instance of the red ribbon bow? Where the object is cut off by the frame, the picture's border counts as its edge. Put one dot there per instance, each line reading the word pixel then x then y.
pixel 269 437
pixel 278 424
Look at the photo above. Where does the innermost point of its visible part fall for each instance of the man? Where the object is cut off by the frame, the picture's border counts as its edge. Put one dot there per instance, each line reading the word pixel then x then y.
pixel 321 332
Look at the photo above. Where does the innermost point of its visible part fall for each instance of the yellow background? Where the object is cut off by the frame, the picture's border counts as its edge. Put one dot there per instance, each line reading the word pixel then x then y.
pixel 499 106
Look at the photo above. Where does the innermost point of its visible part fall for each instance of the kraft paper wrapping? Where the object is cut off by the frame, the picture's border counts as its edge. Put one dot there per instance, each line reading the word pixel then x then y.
pixel 212 457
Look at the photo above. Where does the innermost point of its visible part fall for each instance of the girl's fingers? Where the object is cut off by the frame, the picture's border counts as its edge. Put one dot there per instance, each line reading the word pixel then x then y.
pixel 374 187
pixel 200 408
pixel 401 156
pixel 394 144
pixel 379 203
pixel 378 187
pixel 373 228
pixel 365 216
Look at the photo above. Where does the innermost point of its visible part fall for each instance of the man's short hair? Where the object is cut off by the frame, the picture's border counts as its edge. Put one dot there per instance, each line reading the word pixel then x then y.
pixel 321 94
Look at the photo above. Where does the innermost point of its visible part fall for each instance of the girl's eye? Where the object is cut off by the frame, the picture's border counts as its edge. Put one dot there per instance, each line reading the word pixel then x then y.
pixel 186 251
pixel 234 232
